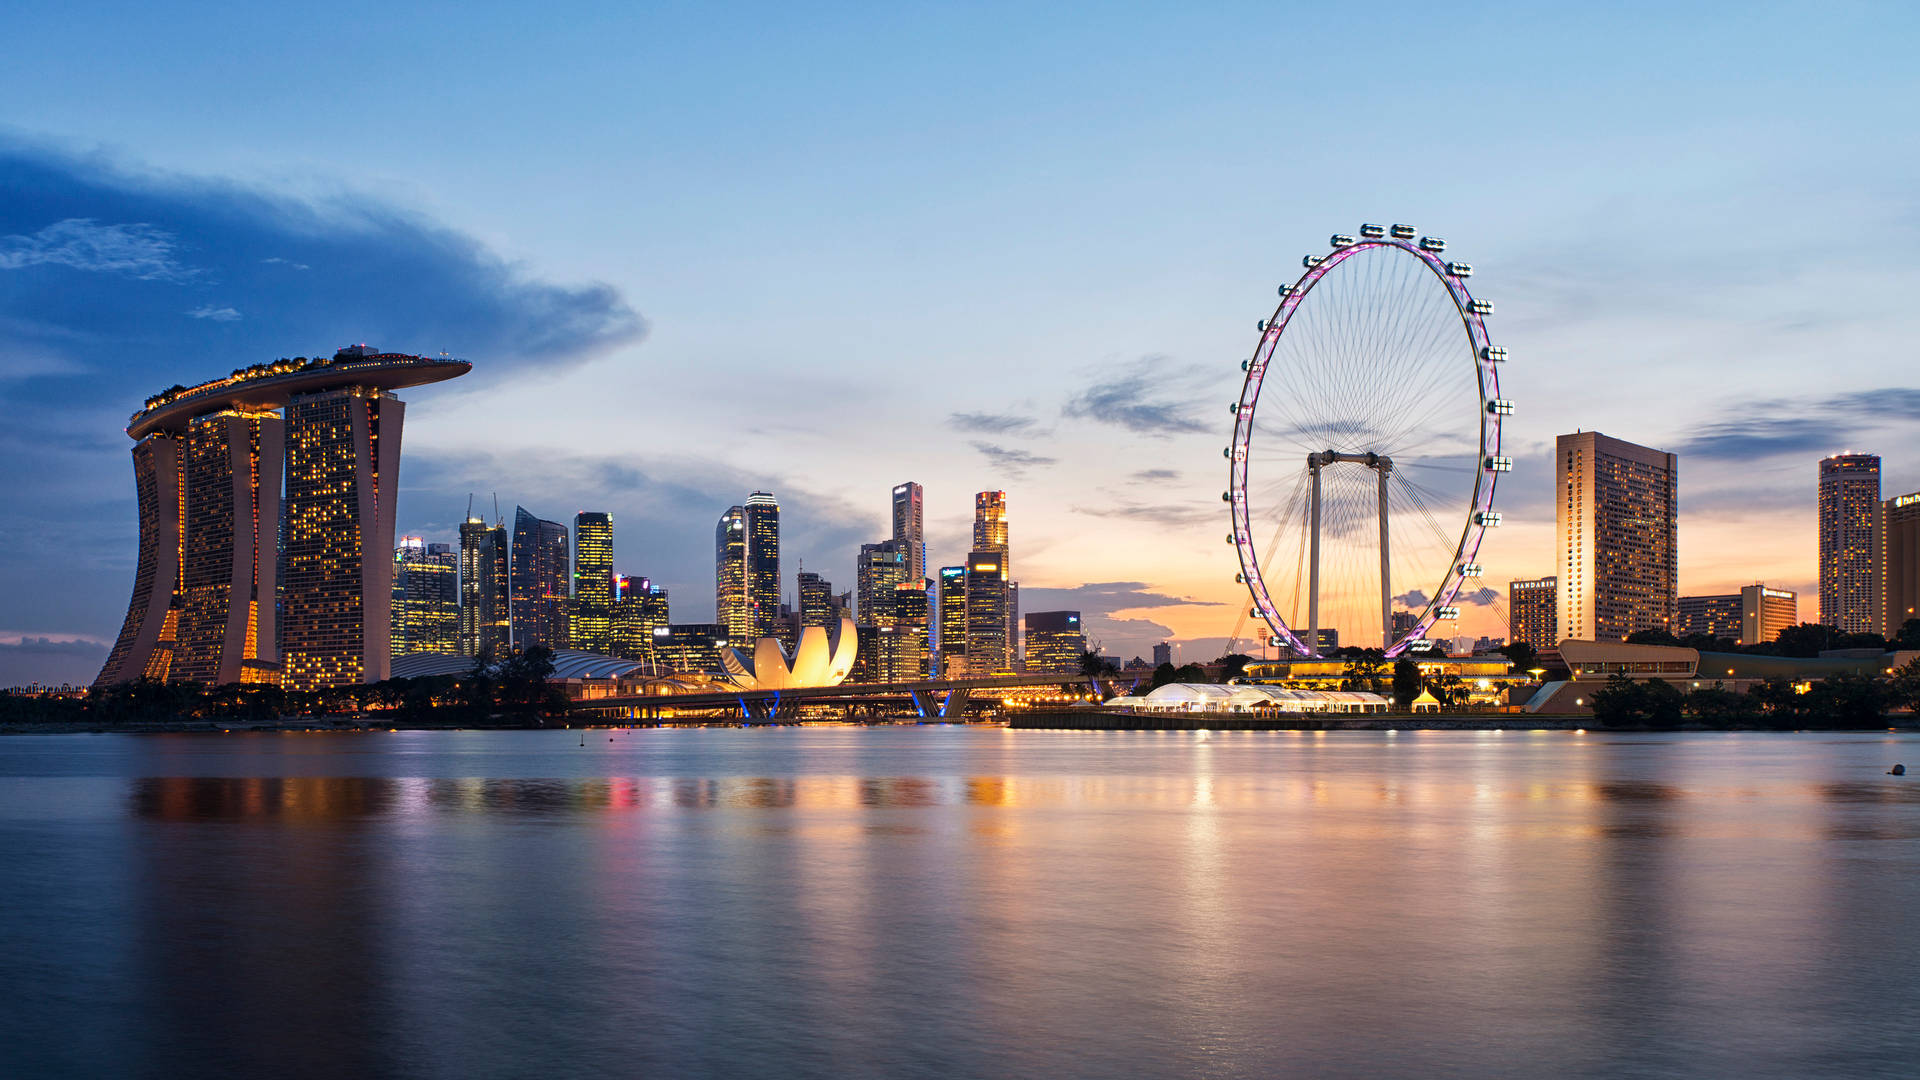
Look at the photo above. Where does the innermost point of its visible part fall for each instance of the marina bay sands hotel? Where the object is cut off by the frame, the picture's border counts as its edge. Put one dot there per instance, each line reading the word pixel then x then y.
pixel 236 583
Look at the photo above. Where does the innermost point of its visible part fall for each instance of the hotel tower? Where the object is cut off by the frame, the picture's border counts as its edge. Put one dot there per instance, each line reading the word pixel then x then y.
pixel 208 467
pixel 1618 537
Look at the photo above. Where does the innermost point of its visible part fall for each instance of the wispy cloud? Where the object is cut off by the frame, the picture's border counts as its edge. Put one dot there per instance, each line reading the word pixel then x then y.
pixel 136 250
pixel 1145 398
pixel 980 423
pixel 1167 514
pixel 1011 461
pixel 1803 427
pixel 217 314
pixel 1155 476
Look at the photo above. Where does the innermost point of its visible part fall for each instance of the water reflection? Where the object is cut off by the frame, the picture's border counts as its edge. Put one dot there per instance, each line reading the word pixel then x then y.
pixel 920 903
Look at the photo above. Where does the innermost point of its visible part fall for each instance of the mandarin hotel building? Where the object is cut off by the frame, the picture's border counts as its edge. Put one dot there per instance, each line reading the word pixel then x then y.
pixel 235 584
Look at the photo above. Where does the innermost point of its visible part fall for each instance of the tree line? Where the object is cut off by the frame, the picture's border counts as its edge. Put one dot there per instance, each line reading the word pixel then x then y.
pixel 517 689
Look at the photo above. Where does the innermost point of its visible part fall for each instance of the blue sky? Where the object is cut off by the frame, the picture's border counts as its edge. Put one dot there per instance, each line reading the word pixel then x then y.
pixel 694 250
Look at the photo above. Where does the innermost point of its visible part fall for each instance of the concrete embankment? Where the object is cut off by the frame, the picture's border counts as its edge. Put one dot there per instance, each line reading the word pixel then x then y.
pixel 1114 720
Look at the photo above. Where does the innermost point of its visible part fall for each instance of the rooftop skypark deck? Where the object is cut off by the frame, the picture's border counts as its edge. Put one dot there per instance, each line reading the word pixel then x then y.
pixel 271 386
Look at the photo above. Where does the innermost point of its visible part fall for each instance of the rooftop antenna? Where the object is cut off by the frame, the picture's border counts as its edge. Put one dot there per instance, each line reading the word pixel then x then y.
pixel 497 519
pixel 469 506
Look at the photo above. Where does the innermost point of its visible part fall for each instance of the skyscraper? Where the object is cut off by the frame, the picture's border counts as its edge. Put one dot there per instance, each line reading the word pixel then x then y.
pixel 763 563
pixel 539 582
pixel 640 611
pixel 591 625
pixel 881 567
pixel 225 629
pixel 1618 528
pixel 1054 642
pixel 731 608
pixel 1900 560
pixel 485 604
pixel 909 527
pixel 343 475
pixel 990 521
pixel 987 646
pixel 1851 593
pixel 950 630
pixel 901 648
pixel 426 597
pixel 145 645
pixel 1533 612
pixel 208 466
pixel 816 601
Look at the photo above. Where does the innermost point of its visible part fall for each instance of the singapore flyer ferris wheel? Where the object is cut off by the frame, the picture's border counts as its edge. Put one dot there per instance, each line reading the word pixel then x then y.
pixel 1366 446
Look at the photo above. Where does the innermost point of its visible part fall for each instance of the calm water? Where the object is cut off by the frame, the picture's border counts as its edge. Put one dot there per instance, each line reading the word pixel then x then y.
pixel 959 902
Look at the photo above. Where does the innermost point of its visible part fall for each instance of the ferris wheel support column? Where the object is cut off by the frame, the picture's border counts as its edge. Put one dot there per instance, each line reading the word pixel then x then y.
pixel 1386 587
pixel 1313 561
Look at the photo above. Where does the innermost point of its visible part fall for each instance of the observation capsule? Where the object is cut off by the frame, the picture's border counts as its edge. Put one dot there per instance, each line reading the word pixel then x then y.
pixel 1448 613
pixel 1489 518
pixel 1500 407
pixel 1470 569
pixel 1239 579
pixel 1261 326
pixel 1372 232
pixel 1340 240
pixel 1404 232
pixel 1499 464
pixel 1234 407
pixel 1460 269
pixel 1311 261
pixel 1494 353
pixel 1286 290
pixel 1433 244
pixel 1481 307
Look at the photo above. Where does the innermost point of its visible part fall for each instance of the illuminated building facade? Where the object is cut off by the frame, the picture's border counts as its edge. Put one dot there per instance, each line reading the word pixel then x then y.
pixel 950 617
pixel 990 521
pixel 689 647
pixel 731 607
pixel 1753 616
pixel 1533 612
pixel 910 528
pixel 209 465
pixel 343 466
pixel 485 602
pixel 763 563
pixel 1714 616
pixel 640 609
pixel 426 597
pixel 882 567
pixel 590 626
pixel 1617 516
pixel 1055 642
pixel 817 606
pixel 1900 560
pixel 1851 593
pixel 987 615
pixel 223 607
pixel 900 648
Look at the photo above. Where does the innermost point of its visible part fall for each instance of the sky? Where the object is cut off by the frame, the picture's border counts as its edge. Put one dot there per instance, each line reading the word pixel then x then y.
pixel 697 250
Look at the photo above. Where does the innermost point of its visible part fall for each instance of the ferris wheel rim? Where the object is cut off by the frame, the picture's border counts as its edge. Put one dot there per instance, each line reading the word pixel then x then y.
pixel 1479 514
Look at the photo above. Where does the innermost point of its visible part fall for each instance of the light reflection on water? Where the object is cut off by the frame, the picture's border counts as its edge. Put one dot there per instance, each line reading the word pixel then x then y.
pixel 922 901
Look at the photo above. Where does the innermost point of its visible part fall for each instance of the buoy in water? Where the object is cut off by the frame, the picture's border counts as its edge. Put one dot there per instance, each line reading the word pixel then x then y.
pixel 1897 770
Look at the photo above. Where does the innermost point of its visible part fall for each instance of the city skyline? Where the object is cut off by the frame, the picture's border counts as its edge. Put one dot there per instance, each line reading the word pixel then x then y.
pixel 183 226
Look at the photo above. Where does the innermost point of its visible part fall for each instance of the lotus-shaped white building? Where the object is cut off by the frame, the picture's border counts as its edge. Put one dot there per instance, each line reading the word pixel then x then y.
pixel 820 659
